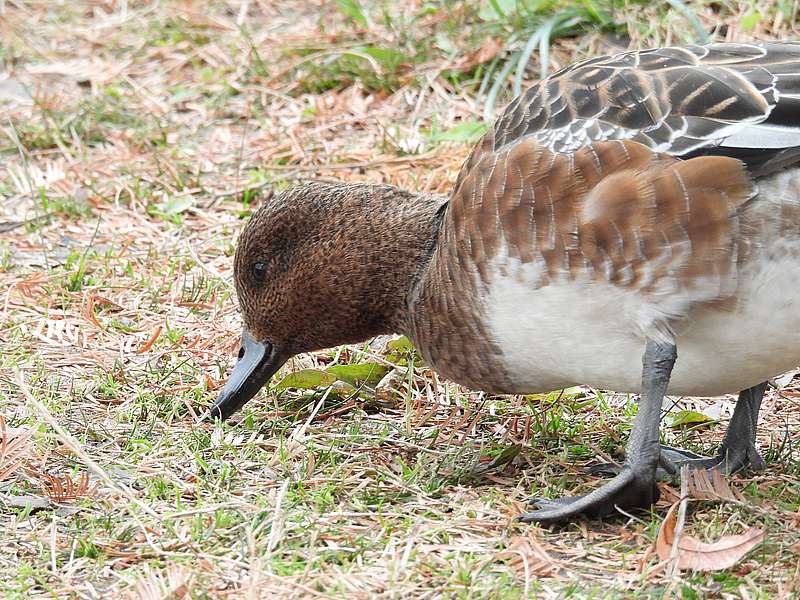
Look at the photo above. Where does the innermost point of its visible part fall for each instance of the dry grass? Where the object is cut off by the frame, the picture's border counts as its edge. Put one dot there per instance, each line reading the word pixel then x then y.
pixel 135 138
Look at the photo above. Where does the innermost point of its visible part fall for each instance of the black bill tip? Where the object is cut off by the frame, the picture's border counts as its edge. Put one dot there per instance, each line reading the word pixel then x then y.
pixel 258 362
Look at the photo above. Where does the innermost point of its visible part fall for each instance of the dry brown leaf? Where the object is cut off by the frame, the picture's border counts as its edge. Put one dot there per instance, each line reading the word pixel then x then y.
pixel 89 312
pixel 150 341
pixel 667 495
pixel 487 51
pixel 81 69
pixel 699 556
pixel 93 300
pixel 59 490
pixel 354 101
pixel 709 484
pixel 526 555
pixel 16 448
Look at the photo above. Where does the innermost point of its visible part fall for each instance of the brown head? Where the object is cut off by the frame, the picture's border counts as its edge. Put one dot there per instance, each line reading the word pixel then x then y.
pixel 320 265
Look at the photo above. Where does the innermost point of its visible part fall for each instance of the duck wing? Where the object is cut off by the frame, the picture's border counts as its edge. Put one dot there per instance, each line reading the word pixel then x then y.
pixel 613 211
pixel 634 170
pixel 738 100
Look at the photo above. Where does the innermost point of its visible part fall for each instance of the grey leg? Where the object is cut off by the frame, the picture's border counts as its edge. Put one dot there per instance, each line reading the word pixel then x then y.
pixel 635 485
pixel 738 448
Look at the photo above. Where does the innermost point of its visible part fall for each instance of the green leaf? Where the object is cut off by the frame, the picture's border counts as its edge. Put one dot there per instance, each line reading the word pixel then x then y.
pixel 352 10
pixel 388 58
pixel 401 344
pixel 565 394
pixel 493 10
pixel 175 205
pixel 370 373
pixel 306 379
pixel 750 20
pixel 466 132
pixel 505 457
pixel 443 42
pixel 572 392
pixel 690 418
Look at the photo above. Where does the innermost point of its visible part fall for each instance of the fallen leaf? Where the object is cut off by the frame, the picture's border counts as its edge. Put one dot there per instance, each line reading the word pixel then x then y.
pixel 463 133
pixel 150 341
pixel 401 344
pixel 782 381
pixel 65 490
pixel 709 484
pixel 487 51
pixel 505 457
pixel 526 555
pixel 305 379
pixel 26 501
pixel 81 69
pixel 90 313
pixel 175 205
pixel 699 556
pixel 369 373
pixel 385 389
pixel 667 495
pixel 173 582
pixel 16 448
pixel 690 418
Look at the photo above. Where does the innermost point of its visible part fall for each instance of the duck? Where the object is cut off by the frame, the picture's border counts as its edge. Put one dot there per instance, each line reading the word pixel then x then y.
pixel 631 223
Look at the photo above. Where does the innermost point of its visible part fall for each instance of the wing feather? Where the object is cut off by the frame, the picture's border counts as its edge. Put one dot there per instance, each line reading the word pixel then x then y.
pixel 685 101
pixel 633 170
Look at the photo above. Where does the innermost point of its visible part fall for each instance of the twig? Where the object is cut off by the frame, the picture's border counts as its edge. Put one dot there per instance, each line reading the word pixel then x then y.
pixel 277 519
pixel 12 225
pixel 673 570
pixel 208 268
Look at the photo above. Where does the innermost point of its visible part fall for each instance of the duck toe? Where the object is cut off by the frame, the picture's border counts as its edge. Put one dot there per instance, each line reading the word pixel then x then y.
pixel 631 488
pixel 727 460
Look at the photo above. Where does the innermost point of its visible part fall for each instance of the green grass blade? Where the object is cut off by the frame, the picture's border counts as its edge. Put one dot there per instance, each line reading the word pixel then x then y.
pixel 491 99
pixel 702 34
pixel 524 57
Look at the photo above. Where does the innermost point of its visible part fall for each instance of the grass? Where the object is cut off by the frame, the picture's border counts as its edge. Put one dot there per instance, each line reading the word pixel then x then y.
pixel 136 139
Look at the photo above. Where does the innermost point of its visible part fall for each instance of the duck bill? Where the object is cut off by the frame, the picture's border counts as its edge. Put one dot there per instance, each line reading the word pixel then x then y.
pixel 258 362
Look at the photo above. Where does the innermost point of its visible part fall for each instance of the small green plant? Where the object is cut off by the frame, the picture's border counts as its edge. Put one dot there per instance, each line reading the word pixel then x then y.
pixel 76 265
pixel 6 257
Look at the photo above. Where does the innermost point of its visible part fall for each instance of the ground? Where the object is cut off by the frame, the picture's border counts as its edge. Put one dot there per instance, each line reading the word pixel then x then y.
pixel 136 138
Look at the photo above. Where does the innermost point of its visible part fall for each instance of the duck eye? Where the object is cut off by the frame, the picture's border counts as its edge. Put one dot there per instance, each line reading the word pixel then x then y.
pixel 259 268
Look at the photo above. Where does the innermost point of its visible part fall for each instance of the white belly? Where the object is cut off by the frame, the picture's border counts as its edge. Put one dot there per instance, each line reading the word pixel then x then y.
pixel 572 333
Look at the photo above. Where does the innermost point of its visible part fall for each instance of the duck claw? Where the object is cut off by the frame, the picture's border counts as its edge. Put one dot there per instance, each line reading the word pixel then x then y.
pixel 629 489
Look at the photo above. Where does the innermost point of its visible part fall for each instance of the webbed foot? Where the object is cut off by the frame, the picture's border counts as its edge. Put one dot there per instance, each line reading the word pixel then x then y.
pixel 631 488
pixel 727 460
pixel 737 451
pixel 635 485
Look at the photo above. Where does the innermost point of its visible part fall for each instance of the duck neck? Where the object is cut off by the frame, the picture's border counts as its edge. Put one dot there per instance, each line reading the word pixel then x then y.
pixel 409 224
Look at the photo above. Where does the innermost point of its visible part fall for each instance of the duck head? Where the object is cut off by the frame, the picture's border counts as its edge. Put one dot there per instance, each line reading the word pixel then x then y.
pixel 320 265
